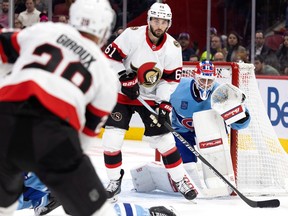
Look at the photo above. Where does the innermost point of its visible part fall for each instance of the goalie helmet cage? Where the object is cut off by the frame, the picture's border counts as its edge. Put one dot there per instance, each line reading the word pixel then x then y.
pixel 259 161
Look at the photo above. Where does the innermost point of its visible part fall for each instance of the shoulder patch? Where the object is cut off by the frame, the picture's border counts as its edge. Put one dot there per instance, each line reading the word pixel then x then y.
pixel 134 28
pixel 176 43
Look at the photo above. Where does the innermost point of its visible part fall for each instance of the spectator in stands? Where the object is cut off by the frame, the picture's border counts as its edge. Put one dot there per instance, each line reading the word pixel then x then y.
pixel 216 46
pixel 62 19
pixel 213 32
pixel 18 24
pixel 194 58
pixel 31 15
pixel 219 57
pixel 242 56
pixel 43 17
pixel 224 41
pixel 19 7
pixel 184 41
pixel 266 52
pixel 263 69
pixel 260 47
pixel 204 56
pixel 4 15
pixel 282 54
pixel 41 5
pixel 235 52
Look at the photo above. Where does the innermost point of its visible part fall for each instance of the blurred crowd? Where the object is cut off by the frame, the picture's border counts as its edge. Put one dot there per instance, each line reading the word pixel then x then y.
pixel 29 12
pixel 230 48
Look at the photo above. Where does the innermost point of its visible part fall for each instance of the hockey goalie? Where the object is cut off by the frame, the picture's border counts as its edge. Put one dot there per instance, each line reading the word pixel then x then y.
pixel 203 111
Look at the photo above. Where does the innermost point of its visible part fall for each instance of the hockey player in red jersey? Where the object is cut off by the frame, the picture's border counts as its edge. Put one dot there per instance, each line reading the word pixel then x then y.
pixel 61 85
pixel 149 63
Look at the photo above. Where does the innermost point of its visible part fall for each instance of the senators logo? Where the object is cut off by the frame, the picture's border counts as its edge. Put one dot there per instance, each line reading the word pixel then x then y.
pixel 148 74
pixel 116 116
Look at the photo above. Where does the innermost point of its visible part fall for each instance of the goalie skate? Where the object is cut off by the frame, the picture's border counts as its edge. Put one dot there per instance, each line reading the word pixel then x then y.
pixel 114 188
pixel 186 188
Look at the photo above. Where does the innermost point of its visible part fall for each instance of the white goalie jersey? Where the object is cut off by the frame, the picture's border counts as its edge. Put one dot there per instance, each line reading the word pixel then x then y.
pixel 158 67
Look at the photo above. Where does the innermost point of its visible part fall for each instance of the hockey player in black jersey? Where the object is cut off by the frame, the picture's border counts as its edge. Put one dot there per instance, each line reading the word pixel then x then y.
pixel 61 87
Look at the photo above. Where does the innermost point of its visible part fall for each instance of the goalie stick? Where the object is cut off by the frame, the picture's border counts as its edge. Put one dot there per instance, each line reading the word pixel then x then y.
pixel 273 203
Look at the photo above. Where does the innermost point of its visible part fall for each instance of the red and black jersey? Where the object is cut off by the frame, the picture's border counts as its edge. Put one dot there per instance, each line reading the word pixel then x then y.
pixel 158 67
pixel 67 73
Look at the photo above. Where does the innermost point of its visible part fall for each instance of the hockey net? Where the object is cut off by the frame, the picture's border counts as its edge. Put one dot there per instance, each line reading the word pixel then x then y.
pixel 260 163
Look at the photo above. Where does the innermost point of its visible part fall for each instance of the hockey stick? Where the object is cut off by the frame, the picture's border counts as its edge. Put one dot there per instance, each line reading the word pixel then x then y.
pixel 273 203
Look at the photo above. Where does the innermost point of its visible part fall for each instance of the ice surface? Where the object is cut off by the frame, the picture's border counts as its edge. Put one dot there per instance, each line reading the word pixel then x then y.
pixel 135 153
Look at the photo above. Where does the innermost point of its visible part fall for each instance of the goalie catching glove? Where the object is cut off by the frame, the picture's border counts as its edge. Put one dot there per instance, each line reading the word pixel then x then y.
pixel 228 101
pixel 164 110
pixel 129 84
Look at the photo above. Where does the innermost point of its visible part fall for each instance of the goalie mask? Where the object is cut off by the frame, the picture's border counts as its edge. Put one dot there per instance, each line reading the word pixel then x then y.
pixel 205 75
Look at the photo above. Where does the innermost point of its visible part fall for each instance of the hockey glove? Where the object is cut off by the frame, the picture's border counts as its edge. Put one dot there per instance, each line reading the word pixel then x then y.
pixel 129 85
pixel 228 101
pixel 163 113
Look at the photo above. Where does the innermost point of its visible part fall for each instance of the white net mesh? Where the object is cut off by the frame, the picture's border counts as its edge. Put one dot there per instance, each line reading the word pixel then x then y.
pixel 262 163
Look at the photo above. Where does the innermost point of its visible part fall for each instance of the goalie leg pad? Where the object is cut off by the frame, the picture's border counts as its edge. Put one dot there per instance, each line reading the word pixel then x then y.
pixel 166 146
pixel 214 147
pixel 142 179
pixel 191 169
pixel 152 176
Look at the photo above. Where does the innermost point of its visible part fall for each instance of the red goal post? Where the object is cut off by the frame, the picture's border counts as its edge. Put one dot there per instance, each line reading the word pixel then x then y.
pixel 259 161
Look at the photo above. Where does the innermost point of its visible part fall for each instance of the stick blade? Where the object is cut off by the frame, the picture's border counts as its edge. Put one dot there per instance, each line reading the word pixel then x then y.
pixel 274 203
